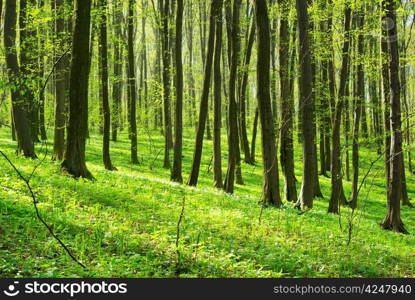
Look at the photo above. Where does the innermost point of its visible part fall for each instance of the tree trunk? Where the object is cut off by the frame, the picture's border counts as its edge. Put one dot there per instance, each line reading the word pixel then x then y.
pixel 337 192
pixel 254 134
pixel 28 65
pixel 74 160
pixel 191 80
pixel 204 102
pixel 60 87
pixel 287 107
pixel 168 139
pixel 232 107
pixel 393 220
pixel 19 107
pixel 132 83
pixel 360 95
pixel 176 173
pixel 103 65
pixel 306 196
pixel 117 78
pixel 270 189
pixel 243 96
pixel 386 99
pixel 217 108
pixel 41 73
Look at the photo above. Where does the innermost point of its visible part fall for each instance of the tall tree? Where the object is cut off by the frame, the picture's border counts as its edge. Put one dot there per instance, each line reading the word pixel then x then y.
pixel 360 95
pixel 103 65
pixel 19 104
pixel 232 107
pixel 393 220
pixel 176 172
pixel 243 94
pixel 386 101
pixel 337 191
pixel 74 159
pixel 287 106
pixel 270 188
pixel 60 86
pixel 217 114
pixel 306 196
pixel 41 30
pixel 204 102
pixel 132 83
pixel 117 70
pixel 28 58
pixel 165 46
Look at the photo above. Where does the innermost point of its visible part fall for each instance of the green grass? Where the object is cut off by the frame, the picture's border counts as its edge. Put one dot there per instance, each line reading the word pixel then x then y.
pixel 124 223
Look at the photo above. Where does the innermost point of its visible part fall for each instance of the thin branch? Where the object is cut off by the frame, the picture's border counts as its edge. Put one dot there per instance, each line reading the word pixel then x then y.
pixel 35 202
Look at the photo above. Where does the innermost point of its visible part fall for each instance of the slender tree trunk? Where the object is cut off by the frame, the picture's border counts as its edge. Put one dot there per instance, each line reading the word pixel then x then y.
pixel 28 64
pixel 337 193
pixel 74 160
pixel 243 95
pixel 204 102
pixel 270 188
pixel 232 107
pixel 60 87
pixel 176 173
pixel 41 72
pixel 217 115
pixel 19 108
pixel 165 7
pixel 144 74
pixel 103 65
pixel 306 196
pixel 360 95
pixel 191 80
pixel 386 99
pixel 254 134
pixel 132 83
pixel 393 220
pixel 365 128
pixel 287 107
pixel 117 70
pixel 202 30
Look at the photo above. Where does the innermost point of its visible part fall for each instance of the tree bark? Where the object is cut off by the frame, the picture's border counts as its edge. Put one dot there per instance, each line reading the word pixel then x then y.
pixel 74 160
pixel 232 106
pixel 393 220
pixel 117 70
pixel 287 107
pixel 270 188
pixel 360 96
pixel 28 64
pixel 176 174
pixel 243 95
pixel 168 138
pixel 306 196
pixel 19 107
pixel 103 65
pixel 337 193
pixel 254 134
pixel 204 102
pixel 217 107
pixel 132 83
pixel 386 109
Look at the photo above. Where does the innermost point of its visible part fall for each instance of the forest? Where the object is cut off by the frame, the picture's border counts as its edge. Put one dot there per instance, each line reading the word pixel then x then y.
pixel 193 138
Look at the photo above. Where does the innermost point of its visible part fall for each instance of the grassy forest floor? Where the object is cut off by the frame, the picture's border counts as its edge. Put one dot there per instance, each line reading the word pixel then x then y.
pixel 124 224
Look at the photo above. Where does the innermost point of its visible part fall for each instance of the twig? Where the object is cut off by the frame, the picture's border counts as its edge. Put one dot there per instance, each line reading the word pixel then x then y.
pixel 178 234
pixel 35 202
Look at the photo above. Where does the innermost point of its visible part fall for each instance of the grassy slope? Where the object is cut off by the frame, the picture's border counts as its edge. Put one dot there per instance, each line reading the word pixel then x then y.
pixel 124 224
